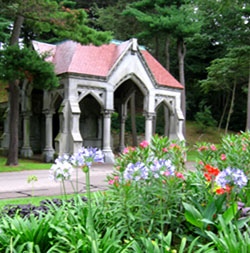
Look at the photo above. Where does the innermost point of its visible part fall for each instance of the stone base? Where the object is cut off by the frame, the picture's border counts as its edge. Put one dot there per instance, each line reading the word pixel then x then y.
pixel 26 152
pixel 48 155
pixel 108 156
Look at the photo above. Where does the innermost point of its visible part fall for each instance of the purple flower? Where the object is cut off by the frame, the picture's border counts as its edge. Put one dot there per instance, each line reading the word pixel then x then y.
pixel 86 156
pixel 161 167
pixel 136 171
pixel 231 176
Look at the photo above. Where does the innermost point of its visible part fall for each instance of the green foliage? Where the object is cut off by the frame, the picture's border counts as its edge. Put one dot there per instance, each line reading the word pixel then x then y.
pixel 20 64
pixel 4 32
pixel 140 123
pixel 152 205
pixel 204 117
pixel 229 239
pixel 233 152
pixel 33 234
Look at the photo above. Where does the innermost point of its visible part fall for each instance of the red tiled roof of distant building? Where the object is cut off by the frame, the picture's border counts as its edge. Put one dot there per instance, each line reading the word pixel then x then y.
pixel 162 76
pixel 72 57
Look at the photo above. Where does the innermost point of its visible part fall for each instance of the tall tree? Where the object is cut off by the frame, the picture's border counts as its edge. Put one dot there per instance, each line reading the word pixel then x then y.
pixel 48 16
pixel 226 74
pixel 226 28
pixel 176 19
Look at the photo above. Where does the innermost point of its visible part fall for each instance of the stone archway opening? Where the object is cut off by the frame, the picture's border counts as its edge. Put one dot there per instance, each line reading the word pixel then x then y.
pixel 37 122
pixel 91 123
pixel 162 120
pixel 129 106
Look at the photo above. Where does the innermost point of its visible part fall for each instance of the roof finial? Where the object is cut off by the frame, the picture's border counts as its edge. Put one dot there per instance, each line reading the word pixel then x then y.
pixel 134 45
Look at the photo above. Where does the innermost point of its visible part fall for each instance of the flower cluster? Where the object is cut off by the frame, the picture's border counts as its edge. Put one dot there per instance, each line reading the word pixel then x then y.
pixel 162 167
pixel 61 170
pixel 63 167
pixel 86 156
pixel 128 149
pixel 144 144
pixel 231 177
pixel 211 172
pixel 136 171
pixel 139 170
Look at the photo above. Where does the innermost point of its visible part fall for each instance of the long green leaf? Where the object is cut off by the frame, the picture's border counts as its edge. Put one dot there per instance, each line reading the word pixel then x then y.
pixel 192 215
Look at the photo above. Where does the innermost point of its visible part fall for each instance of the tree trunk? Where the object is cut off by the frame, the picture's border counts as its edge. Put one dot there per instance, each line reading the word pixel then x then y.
pixel 14 101
pixel 14 116
pixel 181 55
pixel 248 102
pixel 167 53
pixel 224 112
pixel 231 107
pixel 133 119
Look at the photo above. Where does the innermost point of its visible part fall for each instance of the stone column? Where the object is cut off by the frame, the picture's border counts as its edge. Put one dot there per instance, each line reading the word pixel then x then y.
pixel 122 133
pixel 107 151
pixel 166 120
pixel 48 152
pixel 148 125
pixel 172 127
pixel 26 150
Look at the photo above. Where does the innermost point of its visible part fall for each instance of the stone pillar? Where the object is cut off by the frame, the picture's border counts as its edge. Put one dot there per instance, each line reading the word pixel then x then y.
pixel 48 152
pixel 172 127
pixel 166 120
pixel 107 151
pixel 26 150
pixel 148 125
pixel 122 133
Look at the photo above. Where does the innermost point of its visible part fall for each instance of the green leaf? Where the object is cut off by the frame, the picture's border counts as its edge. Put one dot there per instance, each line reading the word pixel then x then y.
pixel 230 213
pixel 193 216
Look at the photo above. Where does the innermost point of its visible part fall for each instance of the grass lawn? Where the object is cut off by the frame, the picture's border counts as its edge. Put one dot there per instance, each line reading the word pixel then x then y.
pixel 24 164
pixel 192 155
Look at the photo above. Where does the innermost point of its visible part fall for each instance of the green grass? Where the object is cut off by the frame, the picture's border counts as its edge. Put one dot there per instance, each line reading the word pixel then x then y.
pixel 24 164
pixel 34 201
pixel 191 155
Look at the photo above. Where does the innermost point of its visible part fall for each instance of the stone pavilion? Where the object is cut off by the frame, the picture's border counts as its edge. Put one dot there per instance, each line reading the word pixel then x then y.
pixel 94 83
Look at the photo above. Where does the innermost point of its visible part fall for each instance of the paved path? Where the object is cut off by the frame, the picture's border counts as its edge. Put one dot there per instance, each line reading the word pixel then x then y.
pixel 15 185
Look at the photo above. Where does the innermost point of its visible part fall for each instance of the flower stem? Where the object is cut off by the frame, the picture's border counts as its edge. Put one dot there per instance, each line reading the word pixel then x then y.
pixel 90 217
pixel 64 190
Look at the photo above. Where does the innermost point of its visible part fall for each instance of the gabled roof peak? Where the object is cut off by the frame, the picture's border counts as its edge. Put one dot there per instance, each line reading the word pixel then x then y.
pixel 72 57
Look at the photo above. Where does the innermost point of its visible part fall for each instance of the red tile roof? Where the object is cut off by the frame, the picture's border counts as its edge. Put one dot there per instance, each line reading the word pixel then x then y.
pixel 162 76
pixel 73 57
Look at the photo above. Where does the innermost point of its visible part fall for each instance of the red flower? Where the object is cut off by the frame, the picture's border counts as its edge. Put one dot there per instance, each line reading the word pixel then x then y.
pixel 220 191
pixel 211 170
pixel 165 150
pixel 207 177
